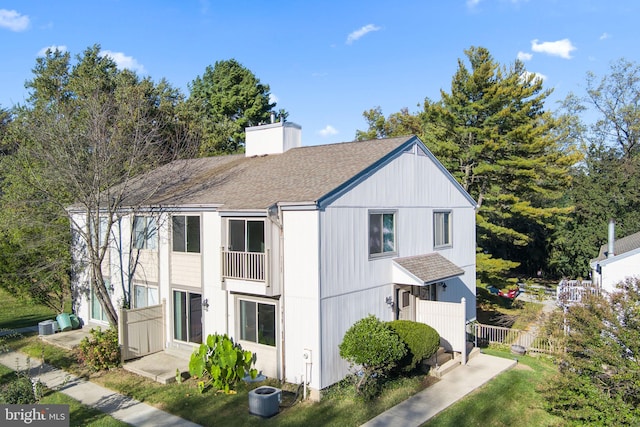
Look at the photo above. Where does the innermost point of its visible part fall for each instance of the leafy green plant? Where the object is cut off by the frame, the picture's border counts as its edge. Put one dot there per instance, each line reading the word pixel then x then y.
pixel 101 350
pixel 221 363
pixel 22 390
pixel 422 341
pixel 373 346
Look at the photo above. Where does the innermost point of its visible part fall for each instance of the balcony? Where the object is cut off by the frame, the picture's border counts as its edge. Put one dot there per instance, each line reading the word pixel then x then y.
pixel 246 266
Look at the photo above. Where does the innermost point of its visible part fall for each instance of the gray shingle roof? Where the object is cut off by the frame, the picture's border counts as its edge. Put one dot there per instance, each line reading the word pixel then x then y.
pixel 620 246
pixel 305 174
pixel 429 268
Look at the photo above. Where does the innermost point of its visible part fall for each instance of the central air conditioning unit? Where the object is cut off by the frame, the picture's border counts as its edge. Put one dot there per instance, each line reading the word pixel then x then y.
pixel 265 401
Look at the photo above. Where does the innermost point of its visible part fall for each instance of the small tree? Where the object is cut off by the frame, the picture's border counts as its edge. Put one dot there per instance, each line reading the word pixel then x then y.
pixel 599 380
pixel 375 348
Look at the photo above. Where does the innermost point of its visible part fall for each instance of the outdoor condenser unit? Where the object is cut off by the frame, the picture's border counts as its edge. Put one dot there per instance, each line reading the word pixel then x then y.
pixel 264 401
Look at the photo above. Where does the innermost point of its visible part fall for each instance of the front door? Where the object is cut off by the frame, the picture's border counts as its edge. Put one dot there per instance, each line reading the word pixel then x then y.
pixel 406 304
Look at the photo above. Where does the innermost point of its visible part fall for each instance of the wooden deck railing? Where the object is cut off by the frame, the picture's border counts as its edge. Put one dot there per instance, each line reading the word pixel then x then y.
pixel 532 342
pixel 245 265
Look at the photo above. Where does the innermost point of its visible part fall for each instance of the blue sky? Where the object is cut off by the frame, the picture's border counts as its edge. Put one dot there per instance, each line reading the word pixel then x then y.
pixel 326 61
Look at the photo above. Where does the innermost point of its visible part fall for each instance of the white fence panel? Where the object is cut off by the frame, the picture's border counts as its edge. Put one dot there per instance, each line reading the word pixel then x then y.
pixel 448 318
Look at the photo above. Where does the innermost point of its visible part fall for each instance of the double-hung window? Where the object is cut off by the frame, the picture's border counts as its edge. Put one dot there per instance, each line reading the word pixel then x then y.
pixel 442 229
pixel 382 233
pixel 145 232
pixel 186 233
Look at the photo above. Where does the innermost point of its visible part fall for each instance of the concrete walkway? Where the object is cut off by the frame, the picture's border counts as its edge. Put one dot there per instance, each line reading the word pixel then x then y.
pixel 423 406
pixel 118 406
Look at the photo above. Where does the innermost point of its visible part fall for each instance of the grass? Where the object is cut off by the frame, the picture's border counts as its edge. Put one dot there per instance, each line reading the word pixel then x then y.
pixel 513 398
pixel 80 415
pixel 339 408
pixel 15 313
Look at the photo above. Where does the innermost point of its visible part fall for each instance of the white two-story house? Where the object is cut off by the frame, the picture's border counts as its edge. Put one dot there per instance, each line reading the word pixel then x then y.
pixel 285 247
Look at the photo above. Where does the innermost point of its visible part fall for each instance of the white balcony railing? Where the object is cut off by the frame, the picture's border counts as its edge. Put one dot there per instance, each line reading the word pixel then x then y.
pixel 245 265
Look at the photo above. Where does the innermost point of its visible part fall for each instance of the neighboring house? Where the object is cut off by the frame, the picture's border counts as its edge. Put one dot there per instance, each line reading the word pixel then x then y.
pixel 286 247
pixel 617 261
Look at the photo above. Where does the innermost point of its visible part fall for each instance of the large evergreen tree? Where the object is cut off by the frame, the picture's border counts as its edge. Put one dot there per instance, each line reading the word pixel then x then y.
pixel 223 102
pixel 493 134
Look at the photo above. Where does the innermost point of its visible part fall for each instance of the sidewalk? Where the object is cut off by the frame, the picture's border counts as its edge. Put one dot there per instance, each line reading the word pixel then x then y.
pixel 423 406
pixel 118 406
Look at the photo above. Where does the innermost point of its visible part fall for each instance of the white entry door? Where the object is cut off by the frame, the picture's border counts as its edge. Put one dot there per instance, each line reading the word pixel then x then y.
pixel 406 304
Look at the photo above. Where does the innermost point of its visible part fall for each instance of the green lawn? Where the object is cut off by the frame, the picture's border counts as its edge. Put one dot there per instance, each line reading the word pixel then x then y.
pixel 510 399
pixel 15 313
pixel 184 400
pixel 80 415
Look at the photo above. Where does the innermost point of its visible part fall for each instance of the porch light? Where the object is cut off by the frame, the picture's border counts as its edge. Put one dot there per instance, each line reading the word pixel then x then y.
pixel 444 286
pixel 389 301
pixel 205 304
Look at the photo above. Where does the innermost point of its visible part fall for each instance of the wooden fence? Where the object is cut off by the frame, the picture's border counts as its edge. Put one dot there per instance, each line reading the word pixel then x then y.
pixel 531 341
pixel 141 331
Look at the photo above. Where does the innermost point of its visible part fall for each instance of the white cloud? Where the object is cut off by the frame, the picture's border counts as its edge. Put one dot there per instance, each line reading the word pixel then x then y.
pixel 328 131
pixel 605 36
pixel 524 56
pixel 123 61
pixel 527 74
pixel 12 20
pixel 561 48
pixel 472 3
pixel 53 48
pixel 273 98
pixel 355 35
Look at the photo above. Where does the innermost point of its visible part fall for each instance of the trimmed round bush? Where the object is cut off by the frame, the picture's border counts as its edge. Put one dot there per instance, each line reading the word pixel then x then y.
pixel 374 347
pixel 421 340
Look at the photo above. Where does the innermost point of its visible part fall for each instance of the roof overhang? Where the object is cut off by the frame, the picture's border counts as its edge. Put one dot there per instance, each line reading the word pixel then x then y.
pixel 422 270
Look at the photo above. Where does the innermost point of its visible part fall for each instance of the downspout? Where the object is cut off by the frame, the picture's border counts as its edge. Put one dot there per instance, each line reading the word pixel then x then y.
pixel 277 221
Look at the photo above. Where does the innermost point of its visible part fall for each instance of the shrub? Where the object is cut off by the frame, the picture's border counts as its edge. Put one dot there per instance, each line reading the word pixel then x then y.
pixel 22 390
pixel 221 363
pixel 376 348
pixel 422 341
pixel 100 350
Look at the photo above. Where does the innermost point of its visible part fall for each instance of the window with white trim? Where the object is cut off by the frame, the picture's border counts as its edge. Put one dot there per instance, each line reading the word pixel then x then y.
pixel 144 295
pixel 442 229
pixel 257 322
pixel 186 233
pixel 145 232
pixel 382 233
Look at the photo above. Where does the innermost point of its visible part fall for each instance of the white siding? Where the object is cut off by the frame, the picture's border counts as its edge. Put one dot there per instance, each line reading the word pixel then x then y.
pixel 353 285
pixel 619 268
pixel 215 318
pixel 300 305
